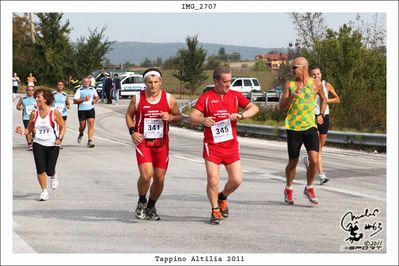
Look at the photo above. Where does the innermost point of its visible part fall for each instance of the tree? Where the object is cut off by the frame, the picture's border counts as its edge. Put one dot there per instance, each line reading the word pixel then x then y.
pixel 169 63
pixel 311 28
pixel 213 62
pixel 222 54
pixel 373 33
pixel 158 62
pixel 260 66
pixel 190 64
pixel 52 47
pixel 146 63
pixel 23 49
pixel 234 57
pixel 354 61
pixel 89 52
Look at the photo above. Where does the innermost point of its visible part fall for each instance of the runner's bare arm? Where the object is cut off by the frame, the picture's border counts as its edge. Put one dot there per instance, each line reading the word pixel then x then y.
pixel 131 109
pixel 334 96
pixel 249 111
pixel 196 118
pixel 136 136
pixel 175 115
pixel 61 125
pixel 19 104
pixel 29 128
pixel 67 104
pixel 323 99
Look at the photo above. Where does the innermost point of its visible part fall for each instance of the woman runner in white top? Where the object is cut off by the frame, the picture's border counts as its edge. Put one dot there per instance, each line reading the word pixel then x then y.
pixel 48 126
pixel 323 128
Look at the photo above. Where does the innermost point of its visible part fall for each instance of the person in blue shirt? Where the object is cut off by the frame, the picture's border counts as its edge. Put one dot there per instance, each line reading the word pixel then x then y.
pixel 61 101
pixel 85 97
pixel 27 104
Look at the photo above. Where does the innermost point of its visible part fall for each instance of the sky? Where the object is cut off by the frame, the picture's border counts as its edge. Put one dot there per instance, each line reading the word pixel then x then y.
pixel 266 30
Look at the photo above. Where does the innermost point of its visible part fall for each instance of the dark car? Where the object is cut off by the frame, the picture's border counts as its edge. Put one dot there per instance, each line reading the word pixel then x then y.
pixel 208 87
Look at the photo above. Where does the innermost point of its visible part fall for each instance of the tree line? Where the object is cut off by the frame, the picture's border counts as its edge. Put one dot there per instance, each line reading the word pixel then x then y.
pixel 353 60
pixel 45 49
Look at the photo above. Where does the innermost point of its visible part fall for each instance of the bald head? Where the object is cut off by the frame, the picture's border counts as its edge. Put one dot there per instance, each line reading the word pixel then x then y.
pixel 300 61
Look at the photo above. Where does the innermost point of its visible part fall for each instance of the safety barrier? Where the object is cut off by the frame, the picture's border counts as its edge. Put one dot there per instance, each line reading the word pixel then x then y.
pixel 338 137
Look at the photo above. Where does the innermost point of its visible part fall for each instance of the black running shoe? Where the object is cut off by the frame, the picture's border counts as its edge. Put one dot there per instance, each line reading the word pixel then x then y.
pixel 151 214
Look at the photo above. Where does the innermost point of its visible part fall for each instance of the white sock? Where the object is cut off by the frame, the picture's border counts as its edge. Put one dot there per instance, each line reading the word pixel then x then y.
pixel 288 187
pixel 309 186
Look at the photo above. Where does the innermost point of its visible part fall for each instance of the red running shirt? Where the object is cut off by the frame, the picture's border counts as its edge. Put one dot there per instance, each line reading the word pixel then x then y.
pixel 220 107
pixel 148 117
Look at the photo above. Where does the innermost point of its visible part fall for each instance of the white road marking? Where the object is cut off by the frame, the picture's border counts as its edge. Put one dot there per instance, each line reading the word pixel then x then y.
pixel 103 139
pixel 188 159
pixel 343 191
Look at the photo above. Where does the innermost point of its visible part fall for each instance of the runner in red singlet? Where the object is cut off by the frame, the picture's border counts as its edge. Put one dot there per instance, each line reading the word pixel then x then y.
pixel 148 117
pixel 217 110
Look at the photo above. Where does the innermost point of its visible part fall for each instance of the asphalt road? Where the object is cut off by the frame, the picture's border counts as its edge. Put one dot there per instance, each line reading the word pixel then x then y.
pixel 92 209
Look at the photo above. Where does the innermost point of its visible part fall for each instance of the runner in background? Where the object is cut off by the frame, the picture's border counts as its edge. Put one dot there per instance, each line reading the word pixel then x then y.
pixel 328 90
pixel 61 101
pixel 27 104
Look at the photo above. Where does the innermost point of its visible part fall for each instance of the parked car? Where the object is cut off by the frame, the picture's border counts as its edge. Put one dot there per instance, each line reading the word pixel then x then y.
pixel 131 84
pixel 247 86
pixel 274 94
pixel 207 88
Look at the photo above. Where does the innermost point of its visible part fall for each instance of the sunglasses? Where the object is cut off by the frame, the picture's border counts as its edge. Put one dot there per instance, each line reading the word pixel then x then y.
pixel 296 66
pixel 30 90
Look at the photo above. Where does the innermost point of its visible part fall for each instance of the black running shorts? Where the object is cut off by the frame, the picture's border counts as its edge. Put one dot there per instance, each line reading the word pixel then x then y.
pixel 84 115
pixel 45 158
pixel 26 123
pixel 323 128
pixel 295 139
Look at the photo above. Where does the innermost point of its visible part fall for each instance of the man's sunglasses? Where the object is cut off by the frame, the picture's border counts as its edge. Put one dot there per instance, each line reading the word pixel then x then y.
pixel 296 66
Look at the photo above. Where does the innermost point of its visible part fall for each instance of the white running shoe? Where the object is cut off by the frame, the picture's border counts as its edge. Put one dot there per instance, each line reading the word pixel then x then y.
pixel 54 182
pixel 44 195
pixel 306 161
pixel 323 178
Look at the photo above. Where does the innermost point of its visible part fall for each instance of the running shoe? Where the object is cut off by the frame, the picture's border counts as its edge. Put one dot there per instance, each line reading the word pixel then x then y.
pixel 80 138
pixel 223 208
pixel 44 196
pixel 30 147
pixel 323 178
pixel 54 182
pixel 288 196
pixel 90 144
pixel 310 195
pixel 151 214
pixel 306 161
pixel 140 210
pixel 216 216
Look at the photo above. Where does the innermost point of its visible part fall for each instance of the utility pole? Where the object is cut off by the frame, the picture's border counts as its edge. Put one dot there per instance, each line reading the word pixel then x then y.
pixel 32 28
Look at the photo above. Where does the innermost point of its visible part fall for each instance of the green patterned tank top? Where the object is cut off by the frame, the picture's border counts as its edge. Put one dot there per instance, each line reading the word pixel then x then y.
pixel 300 116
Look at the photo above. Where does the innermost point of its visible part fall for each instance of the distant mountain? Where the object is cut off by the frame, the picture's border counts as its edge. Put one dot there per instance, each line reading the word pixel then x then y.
pixel 136 52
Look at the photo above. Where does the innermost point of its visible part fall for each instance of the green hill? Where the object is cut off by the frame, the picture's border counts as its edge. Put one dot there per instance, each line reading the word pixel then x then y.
pixel 136 52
